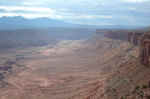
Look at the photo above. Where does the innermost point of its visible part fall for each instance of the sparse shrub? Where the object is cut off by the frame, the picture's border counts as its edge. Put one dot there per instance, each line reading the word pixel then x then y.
pixel 147 97
pixel 144 86
pixel 114 90
pixel 122 97
pixel 137 87
pixel 141 93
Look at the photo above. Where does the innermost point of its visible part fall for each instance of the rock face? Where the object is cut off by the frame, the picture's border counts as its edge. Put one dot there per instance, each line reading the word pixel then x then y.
pixel 145 49
pixel 143 41
pixel 134 38
pixel 137 38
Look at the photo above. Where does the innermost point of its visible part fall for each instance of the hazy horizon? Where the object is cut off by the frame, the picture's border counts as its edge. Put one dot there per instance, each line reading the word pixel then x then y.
pixel 85 12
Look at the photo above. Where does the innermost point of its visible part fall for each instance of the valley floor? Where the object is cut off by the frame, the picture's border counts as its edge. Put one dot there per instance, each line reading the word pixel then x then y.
pixel 96 69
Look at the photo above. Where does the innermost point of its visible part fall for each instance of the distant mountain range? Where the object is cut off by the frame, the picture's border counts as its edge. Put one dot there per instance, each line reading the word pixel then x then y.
pixel 22 23
pixel 18 22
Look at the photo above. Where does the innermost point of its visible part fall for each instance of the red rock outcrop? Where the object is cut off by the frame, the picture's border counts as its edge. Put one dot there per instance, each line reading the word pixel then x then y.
pixel 134 37
pixel 144 53
pixel 143 41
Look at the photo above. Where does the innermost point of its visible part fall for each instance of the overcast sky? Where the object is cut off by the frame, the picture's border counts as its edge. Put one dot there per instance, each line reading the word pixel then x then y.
pixel 99 12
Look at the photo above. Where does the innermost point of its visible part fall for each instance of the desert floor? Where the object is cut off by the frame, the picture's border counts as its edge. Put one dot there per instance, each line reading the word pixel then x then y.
pixel 75 69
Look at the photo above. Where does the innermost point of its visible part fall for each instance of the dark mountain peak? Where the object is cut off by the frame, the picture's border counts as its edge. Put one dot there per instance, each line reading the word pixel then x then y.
pixel 12 17
pixel 18 22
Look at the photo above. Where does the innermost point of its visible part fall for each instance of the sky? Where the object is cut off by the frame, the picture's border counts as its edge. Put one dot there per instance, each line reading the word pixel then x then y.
pixel 92 12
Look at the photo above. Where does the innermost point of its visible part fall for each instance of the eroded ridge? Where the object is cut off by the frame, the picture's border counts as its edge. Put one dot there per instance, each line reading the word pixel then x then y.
pixel 142 40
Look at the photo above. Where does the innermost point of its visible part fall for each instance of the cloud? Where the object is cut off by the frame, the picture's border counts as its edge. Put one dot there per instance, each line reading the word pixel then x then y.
pixel 93 17
pixel 29 12
pixel 36 12
pixel 81 11
pixel 32 3
pixel 30 15
pixel 135 1
pixel 86 16
pixel 53 16
pixel 23 8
